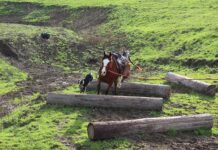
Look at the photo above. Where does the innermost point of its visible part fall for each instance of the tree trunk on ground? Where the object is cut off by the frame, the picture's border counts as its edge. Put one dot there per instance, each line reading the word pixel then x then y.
pixel 110 129
pixel 199 86
pixel 136 89
pixel 90 100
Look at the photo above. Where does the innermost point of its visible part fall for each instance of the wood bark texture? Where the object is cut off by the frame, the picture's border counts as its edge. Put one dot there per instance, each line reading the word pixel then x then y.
pixel 110 129
pixel 136 89
pixel 106 101
pixel 199 86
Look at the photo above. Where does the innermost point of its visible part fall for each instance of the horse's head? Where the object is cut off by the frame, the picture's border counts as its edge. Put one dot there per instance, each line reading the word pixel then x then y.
pixel 105 62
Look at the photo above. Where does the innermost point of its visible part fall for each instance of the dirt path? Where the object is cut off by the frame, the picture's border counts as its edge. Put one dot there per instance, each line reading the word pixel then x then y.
pixel 42 79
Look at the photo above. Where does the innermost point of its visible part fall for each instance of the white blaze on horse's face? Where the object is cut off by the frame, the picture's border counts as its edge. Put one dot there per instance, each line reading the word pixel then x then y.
pixel 105 63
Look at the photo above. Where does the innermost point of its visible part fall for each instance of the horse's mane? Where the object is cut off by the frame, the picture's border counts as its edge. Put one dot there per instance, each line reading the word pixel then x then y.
pixel 114 58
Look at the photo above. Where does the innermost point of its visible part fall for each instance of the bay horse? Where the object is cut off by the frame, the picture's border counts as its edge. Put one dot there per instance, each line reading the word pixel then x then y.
pixel 108 73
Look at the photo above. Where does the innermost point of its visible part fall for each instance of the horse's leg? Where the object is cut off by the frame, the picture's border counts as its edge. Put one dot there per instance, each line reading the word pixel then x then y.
pixel 108 88
pixel 99 86
pixel 115 87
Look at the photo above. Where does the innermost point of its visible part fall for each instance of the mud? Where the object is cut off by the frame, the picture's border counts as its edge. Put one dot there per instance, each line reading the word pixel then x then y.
pixel 7 50
pixel 84 18
pixel 42 79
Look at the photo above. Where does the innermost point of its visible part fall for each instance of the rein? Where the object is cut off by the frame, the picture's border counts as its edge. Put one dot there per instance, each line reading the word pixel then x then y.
pixel 134 77
pixel 116 73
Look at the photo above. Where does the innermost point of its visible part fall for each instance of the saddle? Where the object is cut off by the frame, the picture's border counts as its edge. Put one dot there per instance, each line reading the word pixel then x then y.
pixel 120 61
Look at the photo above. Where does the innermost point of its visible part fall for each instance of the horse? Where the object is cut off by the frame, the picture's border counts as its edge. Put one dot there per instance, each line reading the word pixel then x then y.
pixel 108 73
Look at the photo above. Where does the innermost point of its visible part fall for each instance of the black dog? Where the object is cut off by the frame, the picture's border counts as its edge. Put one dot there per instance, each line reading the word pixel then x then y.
pixel 45 35
pixel 84 82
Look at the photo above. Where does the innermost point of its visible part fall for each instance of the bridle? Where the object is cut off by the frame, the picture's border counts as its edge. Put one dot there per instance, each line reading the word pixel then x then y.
pixel 109 66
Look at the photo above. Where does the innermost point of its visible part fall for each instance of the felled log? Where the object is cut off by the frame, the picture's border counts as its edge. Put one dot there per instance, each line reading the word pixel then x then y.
pixel 199 86
pixel 110 129
pixel 90 100
pixel 136 89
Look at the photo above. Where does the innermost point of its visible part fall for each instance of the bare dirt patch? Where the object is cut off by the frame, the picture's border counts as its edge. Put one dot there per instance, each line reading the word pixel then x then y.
pixel 42 79
pixel 7 50
pixel 78 19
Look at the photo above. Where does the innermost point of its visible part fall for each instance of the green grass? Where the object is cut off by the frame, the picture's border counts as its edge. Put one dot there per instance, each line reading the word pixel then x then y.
pixel 168 29
pixel 35 125
pixel 161 35
pixel 149 4
pixel 159 29
pixel 9 76
pixel 26 121
pixel 36 16
pixel 53 51
pixel 193 103
pixel 8 31
pixel 81 3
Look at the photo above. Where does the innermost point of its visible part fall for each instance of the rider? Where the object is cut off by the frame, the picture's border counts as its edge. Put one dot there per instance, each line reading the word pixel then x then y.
pixel 124 63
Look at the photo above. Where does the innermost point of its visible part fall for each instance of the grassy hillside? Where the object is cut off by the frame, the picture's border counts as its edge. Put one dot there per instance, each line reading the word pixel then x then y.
pixel 169 31
pixel 162 32
pixel 81 3
pixel 154 3
pixel 9 75
pixel 62 50
pixel 162 35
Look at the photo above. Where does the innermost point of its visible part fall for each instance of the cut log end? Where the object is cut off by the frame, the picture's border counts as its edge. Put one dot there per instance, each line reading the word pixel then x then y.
pixel 202 87
pixel 211 90
pixel 91 131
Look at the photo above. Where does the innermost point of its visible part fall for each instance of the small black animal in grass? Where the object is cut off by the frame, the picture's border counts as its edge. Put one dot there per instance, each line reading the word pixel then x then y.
pixel 84 82
pixel 45 35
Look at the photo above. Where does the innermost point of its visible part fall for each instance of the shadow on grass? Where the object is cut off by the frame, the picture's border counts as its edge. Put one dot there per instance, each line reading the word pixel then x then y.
pixel 72 123
pixel 186 90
